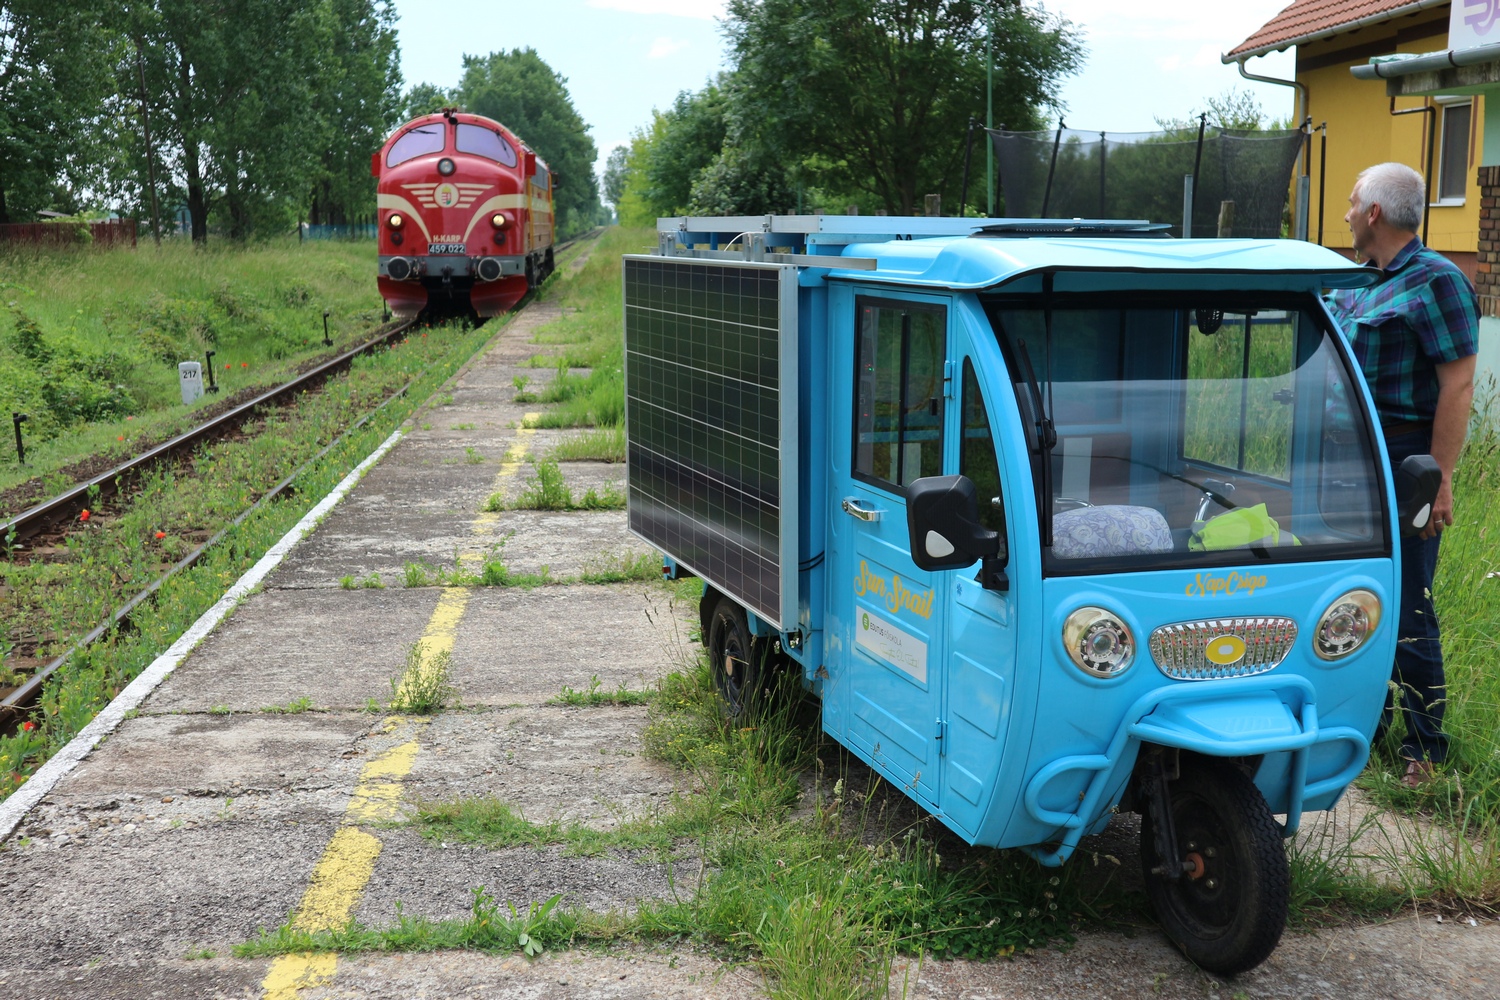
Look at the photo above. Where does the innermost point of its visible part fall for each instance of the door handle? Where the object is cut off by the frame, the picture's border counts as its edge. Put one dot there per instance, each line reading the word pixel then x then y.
pixel 853 508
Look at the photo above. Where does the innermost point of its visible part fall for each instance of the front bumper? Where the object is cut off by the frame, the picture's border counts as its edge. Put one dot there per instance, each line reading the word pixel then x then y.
pixel 1243 717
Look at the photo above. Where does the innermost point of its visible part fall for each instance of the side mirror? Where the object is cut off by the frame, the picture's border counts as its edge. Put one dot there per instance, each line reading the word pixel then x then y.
pixel 942 524
pixel 375 164
pixel 1417 482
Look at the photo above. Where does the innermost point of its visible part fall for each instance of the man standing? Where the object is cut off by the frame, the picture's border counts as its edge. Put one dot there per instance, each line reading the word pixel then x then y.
pixel 1415 334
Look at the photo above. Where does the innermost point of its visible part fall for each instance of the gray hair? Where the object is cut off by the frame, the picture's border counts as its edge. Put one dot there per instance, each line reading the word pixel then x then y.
pixel 1397 189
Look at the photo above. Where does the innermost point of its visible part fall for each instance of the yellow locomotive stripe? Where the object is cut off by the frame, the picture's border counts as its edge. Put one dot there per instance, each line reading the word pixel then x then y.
pixel 399 204
pixel 341 874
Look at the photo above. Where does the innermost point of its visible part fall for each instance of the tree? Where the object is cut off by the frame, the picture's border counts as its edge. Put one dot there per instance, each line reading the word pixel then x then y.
pixel 425 99
pixel 875 95
pixel 519 90
pixel 1233 109
pixel 231 86
pixel 616 174
pixel 358 102
pixel 54 73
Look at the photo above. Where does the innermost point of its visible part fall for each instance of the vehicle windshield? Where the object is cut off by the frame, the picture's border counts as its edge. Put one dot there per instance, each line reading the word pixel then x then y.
pixel 486 142
pixel 1175 433
pixel 420 140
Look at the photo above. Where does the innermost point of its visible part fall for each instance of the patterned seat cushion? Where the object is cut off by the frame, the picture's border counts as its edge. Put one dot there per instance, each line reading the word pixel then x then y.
pixel 1116 530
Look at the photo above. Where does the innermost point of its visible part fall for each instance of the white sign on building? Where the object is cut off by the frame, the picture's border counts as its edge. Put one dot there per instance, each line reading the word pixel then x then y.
pixel 1472 23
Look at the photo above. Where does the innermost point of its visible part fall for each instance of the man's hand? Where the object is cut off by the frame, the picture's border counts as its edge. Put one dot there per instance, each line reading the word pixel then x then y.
pixel 1442 511
pixel 1449 426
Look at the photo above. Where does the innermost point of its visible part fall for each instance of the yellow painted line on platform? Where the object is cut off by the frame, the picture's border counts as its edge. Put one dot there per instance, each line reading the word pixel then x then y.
pixel 341 874
pixel 515 460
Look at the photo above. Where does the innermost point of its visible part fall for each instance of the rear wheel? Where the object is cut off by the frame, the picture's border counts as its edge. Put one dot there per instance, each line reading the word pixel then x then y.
pixel 738 659
pixel 1226 913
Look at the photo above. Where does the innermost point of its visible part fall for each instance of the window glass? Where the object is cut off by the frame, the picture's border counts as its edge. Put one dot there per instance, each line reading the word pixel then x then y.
pixel 976 457
pixel 540 180
pixel 483 141
pixel 420 140
pixel 1178 432
pixel 1453 174
pixel 899 393
pixel 1239 392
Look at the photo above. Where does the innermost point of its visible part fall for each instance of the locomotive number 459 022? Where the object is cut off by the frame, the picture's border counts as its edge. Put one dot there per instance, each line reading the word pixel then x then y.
pixel 433 248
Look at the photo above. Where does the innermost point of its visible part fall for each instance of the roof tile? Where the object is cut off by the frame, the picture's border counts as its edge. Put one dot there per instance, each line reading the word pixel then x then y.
pixel 1303 19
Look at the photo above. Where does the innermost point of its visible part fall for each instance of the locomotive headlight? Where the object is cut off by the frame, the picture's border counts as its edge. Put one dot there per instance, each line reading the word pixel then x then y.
pixel 446 167
pixel 499 221
pixel 395 221
pixel 1347 623
pixel 1098 642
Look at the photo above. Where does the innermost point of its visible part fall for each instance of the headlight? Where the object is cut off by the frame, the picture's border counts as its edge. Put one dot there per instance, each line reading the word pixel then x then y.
pixel 395 221
pixel 1346 624
pixel 499 221
pixel 1098 642
pixel 446 167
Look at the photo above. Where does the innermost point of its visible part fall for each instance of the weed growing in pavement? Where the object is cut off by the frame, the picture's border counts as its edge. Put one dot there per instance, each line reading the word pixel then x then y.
pixel 472 457
pixel 220 710
pixel 621 567
pixel 462 427
pixel 546 489
pixel 346 582
pixel 372 581
pixel 596 695
pixel 602 444
pixel 522 396
pixel 296 707
pixel 488 928
pixel 424 685
pixel 418 574
pixel 195 954
pixel 372 706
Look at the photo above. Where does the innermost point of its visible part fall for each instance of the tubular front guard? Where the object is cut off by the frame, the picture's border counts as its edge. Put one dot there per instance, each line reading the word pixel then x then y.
pixel 1242 717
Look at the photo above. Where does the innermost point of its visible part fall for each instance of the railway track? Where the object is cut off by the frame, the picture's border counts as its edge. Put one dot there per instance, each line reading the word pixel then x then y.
pixel 52 520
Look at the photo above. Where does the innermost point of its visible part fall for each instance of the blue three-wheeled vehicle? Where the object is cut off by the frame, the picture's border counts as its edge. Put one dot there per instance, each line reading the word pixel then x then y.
pixel 1058 519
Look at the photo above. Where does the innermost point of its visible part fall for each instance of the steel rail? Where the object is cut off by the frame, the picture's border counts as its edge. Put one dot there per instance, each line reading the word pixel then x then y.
pixel 27 692
pixel 36 519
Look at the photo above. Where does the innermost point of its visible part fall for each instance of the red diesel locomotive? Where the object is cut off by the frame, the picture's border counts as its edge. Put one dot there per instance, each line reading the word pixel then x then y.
pixel 465 217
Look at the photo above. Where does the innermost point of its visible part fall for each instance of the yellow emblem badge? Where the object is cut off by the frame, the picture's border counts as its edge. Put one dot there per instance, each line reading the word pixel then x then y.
pixel 1225 650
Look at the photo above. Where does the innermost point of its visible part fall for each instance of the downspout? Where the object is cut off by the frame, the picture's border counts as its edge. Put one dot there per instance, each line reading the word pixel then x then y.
pixel 1303 102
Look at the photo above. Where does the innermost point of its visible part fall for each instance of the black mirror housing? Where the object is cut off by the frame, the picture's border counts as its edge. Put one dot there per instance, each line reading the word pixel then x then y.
pixel 1417 482
pixel 942 524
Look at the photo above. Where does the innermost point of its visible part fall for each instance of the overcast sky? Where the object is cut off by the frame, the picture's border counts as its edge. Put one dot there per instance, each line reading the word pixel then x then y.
pixel 624 57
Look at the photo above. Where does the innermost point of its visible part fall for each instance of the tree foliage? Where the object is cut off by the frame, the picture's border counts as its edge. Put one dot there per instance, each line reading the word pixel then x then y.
pixel 519 90
pixel 54 72
pixel 874 96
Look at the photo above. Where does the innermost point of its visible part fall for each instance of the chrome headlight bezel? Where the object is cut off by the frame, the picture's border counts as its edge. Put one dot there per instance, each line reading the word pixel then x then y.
pixel 1099 642
pixel 1346 624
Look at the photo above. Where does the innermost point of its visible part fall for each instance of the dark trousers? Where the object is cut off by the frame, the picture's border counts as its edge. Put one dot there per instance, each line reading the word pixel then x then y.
pixel 1418 671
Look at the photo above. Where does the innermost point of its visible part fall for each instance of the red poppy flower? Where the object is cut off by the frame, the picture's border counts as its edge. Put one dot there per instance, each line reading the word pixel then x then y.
pixel 120 438
pixel 161 534
pixel 28 725
pixel 84 516
pixel 226 364
pixel 244 364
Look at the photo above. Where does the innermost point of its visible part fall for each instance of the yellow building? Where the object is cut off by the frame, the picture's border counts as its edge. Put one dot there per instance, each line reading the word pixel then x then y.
pixel 1366 125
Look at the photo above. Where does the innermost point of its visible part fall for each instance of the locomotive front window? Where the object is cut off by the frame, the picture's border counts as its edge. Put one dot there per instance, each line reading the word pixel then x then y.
pixel 1181 433
pixel 419 141
pixel 485 142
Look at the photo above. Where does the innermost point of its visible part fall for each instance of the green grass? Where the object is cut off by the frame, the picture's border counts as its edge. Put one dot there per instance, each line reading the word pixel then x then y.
pixel 425 683
pixel 545 489
pixel 596 695
pixel 603 444
pixel 91 369
pixel 295 707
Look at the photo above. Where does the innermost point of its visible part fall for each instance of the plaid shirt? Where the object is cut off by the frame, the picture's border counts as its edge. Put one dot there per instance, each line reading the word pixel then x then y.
pixel 1423 313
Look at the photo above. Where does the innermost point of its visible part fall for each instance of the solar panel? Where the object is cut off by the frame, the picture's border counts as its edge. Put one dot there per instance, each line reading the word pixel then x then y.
pixel 712 439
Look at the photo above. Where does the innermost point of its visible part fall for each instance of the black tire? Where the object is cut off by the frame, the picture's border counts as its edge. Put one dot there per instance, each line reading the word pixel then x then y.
pixel 1228 914
pixel 737 659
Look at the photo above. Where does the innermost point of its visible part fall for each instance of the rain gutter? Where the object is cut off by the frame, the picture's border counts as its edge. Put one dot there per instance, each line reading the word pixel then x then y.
pixel 1388 68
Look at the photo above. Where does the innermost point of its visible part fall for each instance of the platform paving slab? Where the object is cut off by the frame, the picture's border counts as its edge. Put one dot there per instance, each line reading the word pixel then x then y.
pixel 548 763
pixel 336 648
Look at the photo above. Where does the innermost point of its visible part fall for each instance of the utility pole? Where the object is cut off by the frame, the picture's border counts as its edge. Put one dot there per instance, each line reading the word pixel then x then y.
pixel 140 66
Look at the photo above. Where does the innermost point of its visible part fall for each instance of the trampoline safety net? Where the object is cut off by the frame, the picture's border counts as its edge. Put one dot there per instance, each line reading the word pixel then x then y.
pixel 1138 175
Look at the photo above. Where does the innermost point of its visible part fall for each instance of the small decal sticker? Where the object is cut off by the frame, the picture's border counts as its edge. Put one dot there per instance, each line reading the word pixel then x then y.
pixel 902 649
pixel 1225 650
pixel 1208 585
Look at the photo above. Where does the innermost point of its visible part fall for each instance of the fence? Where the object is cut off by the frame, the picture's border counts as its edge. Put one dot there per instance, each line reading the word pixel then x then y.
pixel 1065 174
pixel 343 231
pixel 109 233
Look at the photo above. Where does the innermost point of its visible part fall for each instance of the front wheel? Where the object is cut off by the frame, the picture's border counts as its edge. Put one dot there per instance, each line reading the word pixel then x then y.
pixel 1228 911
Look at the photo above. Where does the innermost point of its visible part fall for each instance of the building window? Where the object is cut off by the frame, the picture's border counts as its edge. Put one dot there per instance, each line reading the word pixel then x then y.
pixel 1453 155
